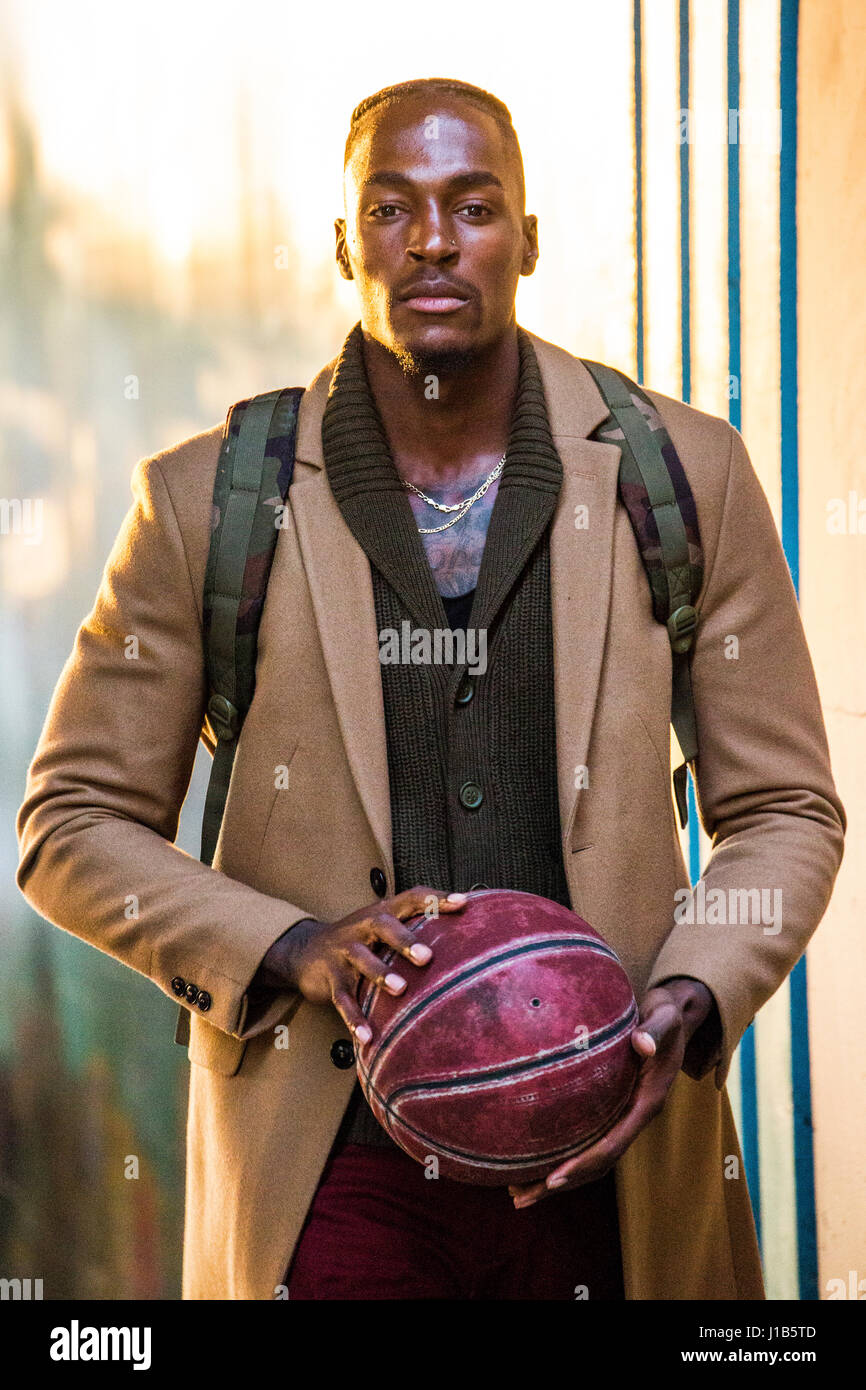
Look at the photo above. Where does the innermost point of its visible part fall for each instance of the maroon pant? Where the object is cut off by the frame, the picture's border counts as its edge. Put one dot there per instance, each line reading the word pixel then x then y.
pixel 379 1229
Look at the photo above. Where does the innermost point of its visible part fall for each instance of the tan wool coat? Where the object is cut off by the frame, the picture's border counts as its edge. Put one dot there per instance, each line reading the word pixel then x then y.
pixel 113 764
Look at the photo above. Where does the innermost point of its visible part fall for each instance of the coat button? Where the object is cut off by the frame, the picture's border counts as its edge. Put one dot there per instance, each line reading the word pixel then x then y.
pixel 465 690
pixel 342 1054
pixel 204 1000
pixel 178 985
pixel 378 882
pixel 192 993
pixel 470 796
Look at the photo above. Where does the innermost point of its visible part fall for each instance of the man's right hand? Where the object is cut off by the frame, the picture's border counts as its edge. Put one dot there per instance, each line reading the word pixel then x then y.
pixel 324 960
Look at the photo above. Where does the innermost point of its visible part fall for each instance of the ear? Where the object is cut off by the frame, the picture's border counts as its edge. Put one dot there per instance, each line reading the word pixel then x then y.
pixel 342 253
pixel 530 244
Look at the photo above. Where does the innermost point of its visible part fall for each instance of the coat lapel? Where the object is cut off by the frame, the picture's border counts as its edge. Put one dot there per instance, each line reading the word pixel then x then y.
pixel 581 559
pixel 580 585
pixel 338 572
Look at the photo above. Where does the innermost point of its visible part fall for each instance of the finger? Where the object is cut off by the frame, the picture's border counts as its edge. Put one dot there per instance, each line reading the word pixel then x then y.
pixel 384 934
pixel 372 967
pixel 527 1194
pixel 643 1043
pixel 417 901
pixel 347 1007
pixel 389 930
pixel 421 898
pixel 661 1022
pixel 594 1162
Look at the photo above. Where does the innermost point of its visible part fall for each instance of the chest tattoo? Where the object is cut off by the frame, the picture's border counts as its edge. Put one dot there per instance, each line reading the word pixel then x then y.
pixel 455 554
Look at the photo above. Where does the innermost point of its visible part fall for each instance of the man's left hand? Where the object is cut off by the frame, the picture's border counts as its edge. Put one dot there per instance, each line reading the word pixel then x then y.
pixel 670 1014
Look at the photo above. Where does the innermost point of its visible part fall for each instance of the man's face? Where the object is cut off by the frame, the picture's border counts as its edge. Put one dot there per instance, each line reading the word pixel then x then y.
pixel 434 202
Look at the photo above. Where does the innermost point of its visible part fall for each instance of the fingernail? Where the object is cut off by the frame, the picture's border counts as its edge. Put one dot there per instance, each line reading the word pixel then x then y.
pixel 524 1201
pixel 648 1039
pixel 395 982
pixel 362 1033
pixel 456 898
pixel 556 1182
pixel 420 952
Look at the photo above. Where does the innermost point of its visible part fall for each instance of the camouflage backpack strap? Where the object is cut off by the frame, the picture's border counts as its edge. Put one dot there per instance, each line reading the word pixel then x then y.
pixel 656 493
pixel 253 475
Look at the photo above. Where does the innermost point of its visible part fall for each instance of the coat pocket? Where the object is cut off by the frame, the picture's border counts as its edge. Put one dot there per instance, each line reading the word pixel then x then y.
pixel 210 1047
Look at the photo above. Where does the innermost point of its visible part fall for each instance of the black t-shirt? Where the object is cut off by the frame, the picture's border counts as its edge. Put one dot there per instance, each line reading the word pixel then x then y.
pixel 457 609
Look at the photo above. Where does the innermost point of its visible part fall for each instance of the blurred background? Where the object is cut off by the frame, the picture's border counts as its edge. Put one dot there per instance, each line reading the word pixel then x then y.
pixel 169 179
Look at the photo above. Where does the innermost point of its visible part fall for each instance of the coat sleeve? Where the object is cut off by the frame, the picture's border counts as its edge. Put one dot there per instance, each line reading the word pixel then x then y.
pixel 104 790
pixel 764 786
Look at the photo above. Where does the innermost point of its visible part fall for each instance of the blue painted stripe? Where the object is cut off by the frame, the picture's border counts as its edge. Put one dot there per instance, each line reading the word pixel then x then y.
pixel 804 1158
pixel 749 1103
pixel 748 1071
pixel 638 201
pixel 694 833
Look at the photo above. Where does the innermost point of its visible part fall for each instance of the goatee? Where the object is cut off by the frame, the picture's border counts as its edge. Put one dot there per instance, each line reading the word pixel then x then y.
pixel 435 361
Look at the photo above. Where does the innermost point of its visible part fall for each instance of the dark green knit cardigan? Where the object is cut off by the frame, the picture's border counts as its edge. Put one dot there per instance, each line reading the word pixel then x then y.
pixel 503 739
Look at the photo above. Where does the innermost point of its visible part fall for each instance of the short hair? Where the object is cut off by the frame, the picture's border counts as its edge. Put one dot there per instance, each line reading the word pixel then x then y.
pixel 477 96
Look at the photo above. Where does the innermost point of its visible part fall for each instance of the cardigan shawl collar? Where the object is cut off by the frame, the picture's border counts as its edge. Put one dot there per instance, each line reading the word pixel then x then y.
pixel 372 497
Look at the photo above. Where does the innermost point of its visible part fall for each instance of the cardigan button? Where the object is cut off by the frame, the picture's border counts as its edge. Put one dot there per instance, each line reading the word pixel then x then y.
pixel 470 796
pixel 342 1054
pixel 465 691
pixel 378 882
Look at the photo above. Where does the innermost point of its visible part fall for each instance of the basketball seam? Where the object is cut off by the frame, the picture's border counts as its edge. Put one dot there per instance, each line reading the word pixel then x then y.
pixel 463 974
pixel 522 1066
pixel 520 1161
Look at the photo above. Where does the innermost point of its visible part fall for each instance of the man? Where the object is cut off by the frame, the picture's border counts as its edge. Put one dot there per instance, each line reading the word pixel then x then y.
pixel 441 461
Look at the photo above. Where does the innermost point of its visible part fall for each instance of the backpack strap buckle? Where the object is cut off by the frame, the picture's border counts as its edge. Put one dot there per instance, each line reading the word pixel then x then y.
pixel 224 718
pixel 681 627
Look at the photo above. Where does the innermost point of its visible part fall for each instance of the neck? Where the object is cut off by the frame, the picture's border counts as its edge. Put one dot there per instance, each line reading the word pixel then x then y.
pixel 439 441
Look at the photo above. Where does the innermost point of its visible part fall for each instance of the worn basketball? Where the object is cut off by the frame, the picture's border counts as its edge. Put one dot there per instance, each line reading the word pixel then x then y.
pixel 510 1051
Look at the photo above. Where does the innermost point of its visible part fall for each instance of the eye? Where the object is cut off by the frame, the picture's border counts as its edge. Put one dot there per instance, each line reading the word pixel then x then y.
pixel 383 207
pixel 482 207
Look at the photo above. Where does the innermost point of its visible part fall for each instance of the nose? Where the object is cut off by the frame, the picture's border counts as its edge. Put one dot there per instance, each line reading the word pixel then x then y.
pixel 429 238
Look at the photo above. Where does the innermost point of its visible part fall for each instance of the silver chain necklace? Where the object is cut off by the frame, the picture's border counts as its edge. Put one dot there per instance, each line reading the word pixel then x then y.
pixel 465 504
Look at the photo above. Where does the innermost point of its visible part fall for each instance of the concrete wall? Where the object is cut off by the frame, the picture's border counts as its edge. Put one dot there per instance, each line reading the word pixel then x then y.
pixel 832 370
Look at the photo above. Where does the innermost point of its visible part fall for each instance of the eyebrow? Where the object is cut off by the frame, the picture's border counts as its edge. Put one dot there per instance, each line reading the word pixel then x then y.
pixel 474 178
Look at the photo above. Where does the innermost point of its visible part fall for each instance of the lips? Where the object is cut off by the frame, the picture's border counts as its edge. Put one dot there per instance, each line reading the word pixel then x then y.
pixel 434 297
pixel 435 304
